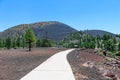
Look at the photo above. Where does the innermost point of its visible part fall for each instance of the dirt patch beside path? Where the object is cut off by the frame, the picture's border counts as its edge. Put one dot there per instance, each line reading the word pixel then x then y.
pixel 14 64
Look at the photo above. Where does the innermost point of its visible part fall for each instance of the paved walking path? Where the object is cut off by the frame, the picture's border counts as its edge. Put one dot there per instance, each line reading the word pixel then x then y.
pixel 55 68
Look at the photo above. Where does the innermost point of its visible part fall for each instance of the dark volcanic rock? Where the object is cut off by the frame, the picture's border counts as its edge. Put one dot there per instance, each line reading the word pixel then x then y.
pixel 87 65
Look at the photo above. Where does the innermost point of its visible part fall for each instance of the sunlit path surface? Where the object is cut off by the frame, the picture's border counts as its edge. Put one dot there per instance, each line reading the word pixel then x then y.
pixel 55 68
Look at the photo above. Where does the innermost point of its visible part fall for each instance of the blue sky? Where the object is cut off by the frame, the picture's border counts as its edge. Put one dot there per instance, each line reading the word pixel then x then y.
pixel 79 14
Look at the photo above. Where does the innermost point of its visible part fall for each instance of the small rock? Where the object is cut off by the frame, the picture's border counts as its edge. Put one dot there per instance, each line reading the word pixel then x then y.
pixel 109 74
pixel 85 64
pixel 89 64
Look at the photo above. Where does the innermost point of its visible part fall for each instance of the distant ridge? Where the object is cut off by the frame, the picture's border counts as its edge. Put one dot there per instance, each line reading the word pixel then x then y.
pixel 98 32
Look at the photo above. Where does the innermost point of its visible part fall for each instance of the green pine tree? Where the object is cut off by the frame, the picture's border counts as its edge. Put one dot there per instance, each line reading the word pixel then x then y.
pixel 39 43
pixel 23 42
pixel 30 38
pixel 1 43
pixel 8 43
pixel 18 42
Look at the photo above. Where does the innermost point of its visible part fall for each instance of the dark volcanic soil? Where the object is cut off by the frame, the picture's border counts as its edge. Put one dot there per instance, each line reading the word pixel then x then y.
pixel 87 65
pixel 14 64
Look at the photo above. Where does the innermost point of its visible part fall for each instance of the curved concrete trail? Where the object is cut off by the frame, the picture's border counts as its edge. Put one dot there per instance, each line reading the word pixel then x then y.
pixel 55 68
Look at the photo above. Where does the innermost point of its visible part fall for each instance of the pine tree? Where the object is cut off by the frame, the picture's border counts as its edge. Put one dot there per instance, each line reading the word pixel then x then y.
pixel 119 46
pixel 39 43
pixel 18 42
pixel 14 43
pixel 23 42
pixel 30 38
pixel 1 43
pixel 46 43
pixel 8 43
